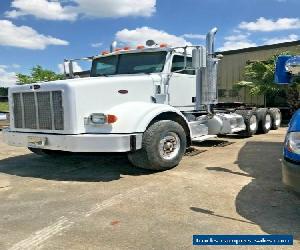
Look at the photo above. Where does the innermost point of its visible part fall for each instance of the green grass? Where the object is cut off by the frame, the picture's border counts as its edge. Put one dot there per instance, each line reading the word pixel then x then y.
pixel 4 106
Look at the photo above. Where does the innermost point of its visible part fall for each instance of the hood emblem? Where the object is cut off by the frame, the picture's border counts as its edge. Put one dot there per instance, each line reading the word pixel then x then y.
pixel 35 86
pixel 123 91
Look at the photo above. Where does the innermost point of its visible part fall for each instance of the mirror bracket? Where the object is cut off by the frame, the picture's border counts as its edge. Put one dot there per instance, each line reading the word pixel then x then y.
pixel 199 57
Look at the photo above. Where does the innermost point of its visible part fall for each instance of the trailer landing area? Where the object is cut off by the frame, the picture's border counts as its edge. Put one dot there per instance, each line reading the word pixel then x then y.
pixel 102 202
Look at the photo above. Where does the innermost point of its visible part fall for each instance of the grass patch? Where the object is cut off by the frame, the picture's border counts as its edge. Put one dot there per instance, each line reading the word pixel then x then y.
pixel 4 106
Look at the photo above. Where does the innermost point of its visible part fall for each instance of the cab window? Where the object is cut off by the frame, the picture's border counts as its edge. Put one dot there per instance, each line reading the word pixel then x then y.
pixel 178 64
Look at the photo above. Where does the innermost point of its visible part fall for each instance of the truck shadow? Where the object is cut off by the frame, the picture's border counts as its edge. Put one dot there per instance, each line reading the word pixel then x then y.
pixel 265 201
pixel 80 167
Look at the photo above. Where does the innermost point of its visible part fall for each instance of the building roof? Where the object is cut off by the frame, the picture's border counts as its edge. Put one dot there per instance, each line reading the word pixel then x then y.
pixel 258 48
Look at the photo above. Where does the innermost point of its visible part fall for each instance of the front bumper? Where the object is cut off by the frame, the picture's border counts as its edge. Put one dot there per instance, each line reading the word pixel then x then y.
pixel 77 143
pixel 291 175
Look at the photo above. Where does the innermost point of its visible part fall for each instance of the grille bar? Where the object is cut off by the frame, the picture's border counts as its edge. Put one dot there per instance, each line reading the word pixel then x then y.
pixel 38 110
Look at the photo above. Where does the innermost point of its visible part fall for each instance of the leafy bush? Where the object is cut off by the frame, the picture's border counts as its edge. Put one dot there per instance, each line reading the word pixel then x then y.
pixel 259 79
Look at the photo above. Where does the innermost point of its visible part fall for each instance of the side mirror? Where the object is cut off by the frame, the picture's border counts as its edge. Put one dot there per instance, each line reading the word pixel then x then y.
pixel 199 58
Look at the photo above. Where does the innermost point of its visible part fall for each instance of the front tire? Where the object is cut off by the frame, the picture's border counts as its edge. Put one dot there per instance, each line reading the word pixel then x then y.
pixel 163 146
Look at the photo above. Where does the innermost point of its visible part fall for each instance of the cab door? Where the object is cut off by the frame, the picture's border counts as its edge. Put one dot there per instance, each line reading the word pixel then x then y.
pixel 182 84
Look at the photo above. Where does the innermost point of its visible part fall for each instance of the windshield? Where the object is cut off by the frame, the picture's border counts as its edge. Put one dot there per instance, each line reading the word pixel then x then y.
pixel 131 63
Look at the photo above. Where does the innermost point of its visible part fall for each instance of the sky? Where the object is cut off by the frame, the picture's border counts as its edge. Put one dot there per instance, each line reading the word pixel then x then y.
pixel 45 32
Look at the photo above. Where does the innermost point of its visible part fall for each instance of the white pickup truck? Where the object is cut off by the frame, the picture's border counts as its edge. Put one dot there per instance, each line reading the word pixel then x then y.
pixel 150 101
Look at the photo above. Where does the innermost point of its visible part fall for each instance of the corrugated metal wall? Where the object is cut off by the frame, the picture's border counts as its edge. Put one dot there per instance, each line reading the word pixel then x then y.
pixel 231 70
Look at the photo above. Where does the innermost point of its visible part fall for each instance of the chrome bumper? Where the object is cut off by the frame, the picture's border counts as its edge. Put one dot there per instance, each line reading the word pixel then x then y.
pixel 75 143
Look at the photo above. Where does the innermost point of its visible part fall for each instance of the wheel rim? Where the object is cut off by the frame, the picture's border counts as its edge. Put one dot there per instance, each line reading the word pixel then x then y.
pixel 253 123
pixel 268 121
pixel 169 146
pixel 277 119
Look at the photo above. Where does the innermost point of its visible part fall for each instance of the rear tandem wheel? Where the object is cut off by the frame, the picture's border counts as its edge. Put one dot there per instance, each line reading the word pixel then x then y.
pixel 250 120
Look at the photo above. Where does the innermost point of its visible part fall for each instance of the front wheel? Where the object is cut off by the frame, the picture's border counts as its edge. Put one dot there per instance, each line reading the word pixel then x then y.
pixel 163 146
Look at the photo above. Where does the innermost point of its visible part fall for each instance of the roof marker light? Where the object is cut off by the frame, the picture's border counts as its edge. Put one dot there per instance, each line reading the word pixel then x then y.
pixel 163 45
pixel 104 53
pixel 126 48
pixel 140 47
pixel 118 49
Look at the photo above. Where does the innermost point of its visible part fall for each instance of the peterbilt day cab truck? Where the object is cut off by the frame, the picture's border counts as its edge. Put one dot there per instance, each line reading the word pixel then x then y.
pixel 151 101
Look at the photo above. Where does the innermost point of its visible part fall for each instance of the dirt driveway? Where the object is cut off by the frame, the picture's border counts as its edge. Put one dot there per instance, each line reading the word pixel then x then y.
pixel 102 202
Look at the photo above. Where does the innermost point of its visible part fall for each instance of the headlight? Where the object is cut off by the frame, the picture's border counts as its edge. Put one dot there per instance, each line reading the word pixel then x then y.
pixel 99 118
pixel 293 142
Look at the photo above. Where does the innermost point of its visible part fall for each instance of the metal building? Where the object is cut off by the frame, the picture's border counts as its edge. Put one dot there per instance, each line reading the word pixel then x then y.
pixel 232 67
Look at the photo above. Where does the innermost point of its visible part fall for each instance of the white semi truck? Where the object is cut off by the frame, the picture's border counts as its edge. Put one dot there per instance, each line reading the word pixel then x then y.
pixel 152 101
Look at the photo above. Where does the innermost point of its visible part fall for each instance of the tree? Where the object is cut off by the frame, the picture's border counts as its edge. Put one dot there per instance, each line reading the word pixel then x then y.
pixel 259 79
pixel 39 74
pixel 3 91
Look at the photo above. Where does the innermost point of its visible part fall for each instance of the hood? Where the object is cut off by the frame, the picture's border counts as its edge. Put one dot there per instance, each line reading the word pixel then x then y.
pixel 85 96
pixel 295 122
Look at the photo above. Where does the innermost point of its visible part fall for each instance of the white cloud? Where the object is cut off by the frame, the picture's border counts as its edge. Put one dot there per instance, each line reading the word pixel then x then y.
pixel 25 37
pixel 7 79
pixel 235 42
pixel 43 9
pixel 71 9
pixel 263 24
pixel 194 36
pixel 141 35
pixel 115 8
pixel 76 67
pixel 274 40
pixel 96 45
pixel 16 66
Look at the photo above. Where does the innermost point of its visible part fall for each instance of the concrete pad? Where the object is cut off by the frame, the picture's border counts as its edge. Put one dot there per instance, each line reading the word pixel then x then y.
pixel 102 202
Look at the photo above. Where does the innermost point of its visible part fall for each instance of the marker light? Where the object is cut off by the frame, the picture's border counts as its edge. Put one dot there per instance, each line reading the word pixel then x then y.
pixel 126 48
pixel 100 118
pixel 104 53
pixel 111 118
pixel 163 45
pixel 140 47
pixel 118 49
pixel 293 142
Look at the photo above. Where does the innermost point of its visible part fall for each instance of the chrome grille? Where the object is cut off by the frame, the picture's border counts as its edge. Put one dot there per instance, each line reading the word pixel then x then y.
pixel 58 110
pixel 18 111
pixel 29 110
pixel 44 104
pixel 39 110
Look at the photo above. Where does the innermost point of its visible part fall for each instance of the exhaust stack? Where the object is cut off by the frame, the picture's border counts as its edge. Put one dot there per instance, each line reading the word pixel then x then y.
pixel 210 41
pixel 209 80
pixel 113 46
